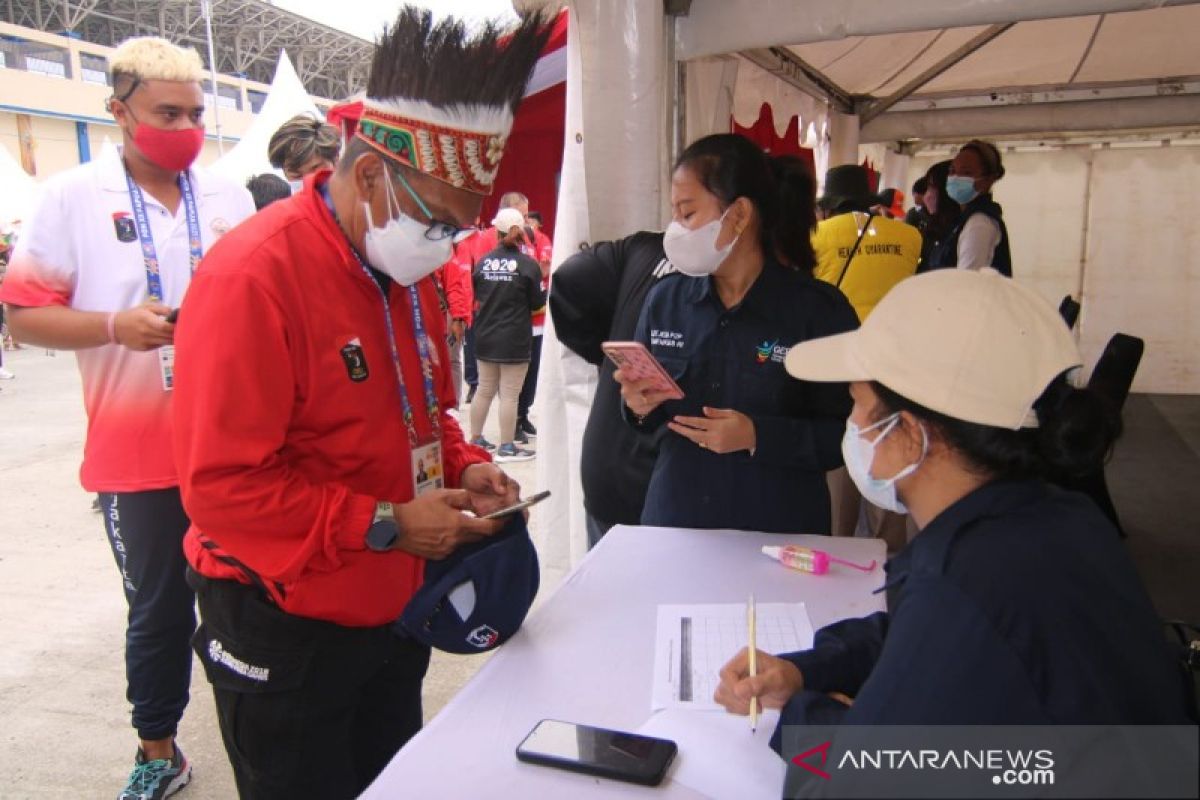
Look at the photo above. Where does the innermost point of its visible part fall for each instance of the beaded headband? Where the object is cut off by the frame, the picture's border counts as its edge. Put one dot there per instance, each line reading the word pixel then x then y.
pixel 461 146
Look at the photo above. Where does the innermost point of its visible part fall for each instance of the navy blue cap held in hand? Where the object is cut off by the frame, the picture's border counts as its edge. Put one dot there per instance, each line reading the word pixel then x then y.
pixel 477 598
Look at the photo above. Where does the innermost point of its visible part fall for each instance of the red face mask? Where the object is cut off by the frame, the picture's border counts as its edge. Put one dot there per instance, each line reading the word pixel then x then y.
pixel 174 150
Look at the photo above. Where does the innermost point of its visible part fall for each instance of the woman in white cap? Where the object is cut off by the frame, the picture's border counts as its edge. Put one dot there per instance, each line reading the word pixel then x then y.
pixel 1016 603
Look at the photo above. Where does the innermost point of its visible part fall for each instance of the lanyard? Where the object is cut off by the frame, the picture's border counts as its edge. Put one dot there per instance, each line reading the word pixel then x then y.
pixel 142 223
pixel 431 402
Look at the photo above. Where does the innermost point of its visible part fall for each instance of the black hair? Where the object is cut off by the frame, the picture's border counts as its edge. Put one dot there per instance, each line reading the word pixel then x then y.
pixel 920 186
pixel 448 64
pixel 1077 429
pixel 947 208
pixel 536 215
pixel 781 188
pixel 266 189
pixel 989 157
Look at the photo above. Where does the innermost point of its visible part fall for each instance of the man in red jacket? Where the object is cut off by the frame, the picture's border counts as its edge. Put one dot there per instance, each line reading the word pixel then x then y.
pixel 312 379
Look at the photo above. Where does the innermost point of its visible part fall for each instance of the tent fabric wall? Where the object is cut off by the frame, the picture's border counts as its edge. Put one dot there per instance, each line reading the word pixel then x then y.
pixel 764 133
pixel 711 84
pixel 1077 221
pixel 533 158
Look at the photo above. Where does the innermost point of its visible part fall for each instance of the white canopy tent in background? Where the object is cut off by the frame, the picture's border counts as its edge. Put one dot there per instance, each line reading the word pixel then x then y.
pixel 17 189
pixel 286 99
pixel 1094 102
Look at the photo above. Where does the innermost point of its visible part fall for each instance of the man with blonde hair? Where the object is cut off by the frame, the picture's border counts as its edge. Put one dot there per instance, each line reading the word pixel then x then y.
pixel 102 263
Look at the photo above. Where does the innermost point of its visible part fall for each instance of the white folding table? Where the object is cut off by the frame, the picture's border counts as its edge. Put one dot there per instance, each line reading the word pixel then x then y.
pixel 586 655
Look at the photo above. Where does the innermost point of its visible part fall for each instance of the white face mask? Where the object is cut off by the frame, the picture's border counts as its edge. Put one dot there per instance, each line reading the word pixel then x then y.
pixel 860 455
pixel 400 248
pixel 694 252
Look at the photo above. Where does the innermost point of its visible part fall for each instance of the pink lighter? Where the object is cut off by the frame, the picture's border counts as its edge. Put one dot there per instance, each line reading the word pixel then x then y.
pixel 806 559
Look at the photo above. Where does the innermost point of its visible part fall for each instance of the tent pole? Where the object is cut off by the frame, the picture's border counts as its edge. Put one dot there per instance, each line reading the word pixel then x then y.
pixel 1084 250
pixel 843 139
pixel 206 9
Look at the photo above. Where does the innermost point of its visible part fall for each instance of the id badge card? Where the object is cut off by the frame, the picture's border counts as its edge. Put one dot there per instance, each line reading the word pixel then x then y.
pixel 166 366
pixel 427 468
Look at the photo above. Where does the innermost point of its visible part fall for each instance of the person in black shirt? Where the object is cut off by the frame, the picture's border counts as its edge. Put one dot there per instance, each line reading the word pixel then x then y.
pixel 747 447
pixel 918 214
pixel 508 289
pixel 1016 603
pixel 979 237
pixel 598 296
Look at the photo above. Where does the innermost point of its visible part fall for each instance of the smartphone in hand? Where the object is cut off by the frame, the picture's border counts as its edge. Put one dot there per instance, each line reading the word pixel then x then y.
pixel 636 362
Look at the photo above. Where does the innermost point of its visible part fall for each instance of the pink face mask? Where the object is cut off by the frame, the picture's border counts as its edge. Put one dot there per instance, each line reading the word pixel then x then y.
pixel 173 150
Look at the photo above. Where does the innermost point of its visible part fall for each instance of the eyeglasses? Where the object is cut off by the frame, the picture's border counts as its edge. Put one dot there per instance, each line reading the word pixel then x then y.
pixel 437 230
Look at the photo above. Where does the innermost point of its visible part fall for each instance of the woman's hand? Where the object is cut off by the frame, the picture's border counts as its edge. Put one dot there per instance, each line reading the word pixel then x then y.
pixel 640 396
pixel 721 430
pixel 777 680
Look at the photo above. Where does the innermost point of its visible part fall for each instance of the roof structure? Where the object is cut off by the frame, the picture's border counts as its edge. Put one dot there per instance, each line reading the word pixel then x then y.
pixel 983 67
pixel 247 35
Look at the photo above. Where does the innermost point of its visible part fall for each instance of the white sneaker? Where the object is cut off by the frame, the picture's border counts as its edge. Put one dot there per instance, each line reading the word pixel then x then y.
pixel 5 375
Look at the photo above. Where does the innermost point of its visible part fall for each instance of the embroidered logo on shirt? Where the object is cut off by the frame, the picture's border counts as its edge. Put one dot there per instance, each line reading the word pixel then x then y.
pixel 355 361
pixel 663 338
pixel 220 226
pixel 123 223
pixel 770 351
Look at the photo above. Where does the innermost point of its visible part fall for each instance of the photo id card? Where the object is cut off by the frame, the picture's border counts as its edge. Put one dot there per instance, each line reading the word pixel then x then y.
pixel 427 468
pixel 166 365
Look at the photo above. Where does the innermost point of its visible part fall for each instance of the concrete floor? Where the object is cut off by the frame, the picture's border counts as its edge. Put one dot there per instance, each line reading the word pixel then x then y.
pixel 64 722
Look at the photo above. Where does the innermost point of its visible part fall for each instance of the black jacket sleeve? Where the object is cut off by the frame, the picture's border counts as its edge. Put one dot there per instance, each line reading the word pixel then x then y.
pixel 586 288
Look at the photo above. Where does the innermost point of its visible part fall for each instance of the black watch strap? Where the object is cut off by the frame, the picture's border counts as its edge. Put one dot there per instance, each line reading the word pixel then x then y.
pixel 382 535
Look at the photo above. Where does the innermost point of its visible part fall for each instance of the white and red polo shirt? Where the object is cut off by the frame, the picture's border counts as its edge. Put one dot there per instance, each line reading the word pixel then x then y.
pixel 80 249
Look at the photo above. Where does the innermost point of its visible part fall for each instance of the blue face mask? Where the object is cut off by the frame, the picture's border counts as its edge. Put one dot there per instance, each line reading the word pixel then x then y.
pixel 961 189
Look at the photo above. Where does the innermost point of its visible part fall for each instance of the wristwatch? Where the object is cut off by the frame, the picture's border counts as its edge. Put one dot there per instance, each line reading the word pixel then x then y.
pixel 382 535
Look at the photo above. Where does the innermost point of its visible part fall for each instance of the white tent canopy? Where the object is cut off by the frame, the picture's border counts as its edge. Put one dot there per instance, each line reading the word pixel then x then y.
pixel 17 196
pixel 911 73
pixel 286 98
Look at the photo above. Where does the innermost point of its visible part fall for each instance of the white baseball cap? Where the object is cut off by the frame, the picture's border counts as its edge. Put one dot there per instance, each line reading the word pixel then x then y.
pixel 972 345
pixel 508 218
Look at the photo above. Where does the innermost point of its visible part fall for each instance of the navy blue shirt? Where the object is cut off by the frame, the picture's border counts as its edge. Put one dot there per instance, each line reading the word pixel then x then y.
pixel 1016 605
pixel 733 358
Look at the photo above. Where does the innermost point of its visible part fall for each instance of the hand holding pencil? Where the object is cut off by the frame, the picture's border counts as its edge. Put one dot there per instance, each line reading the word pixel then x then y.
pixel 773 684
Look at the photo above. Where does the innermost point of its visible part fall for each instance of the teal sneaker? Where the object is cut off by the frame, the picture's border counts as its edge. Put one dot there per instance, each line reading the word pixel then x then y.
pixel 157 779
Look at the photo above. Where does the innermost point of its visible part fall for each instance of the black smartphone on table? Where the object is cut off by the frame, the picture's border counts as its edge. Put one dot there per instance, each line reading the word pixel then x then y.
pixel 601 752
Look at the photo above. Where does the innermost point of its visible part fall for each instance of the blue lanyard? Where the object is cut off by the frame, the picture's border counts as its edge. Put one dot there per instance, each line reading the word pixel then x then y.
pixel 431 403
pixel 142 223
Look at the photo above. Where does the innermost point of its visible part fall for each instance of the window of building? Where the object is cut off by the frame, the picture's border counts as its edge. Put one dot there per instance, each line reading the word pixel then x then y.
pixel 256 100
pixel 93 68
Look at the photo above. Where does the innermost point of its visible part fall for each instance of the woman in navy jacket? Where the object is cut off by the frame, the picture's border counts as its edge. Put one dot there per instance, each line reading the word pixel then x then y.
pixel 748 447
pixel 1017 603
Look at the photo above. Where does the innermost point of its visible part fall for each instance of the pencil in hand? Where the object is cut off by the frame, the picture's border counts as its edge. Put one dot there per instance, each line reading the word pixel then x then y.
pixel 750 623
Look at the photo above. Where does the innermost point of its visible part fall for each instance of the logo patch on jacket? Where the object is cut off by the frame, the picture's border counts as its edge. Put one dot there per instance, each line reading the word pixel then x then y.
pixel 123 223
pixel 355 361
pixel 770 351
